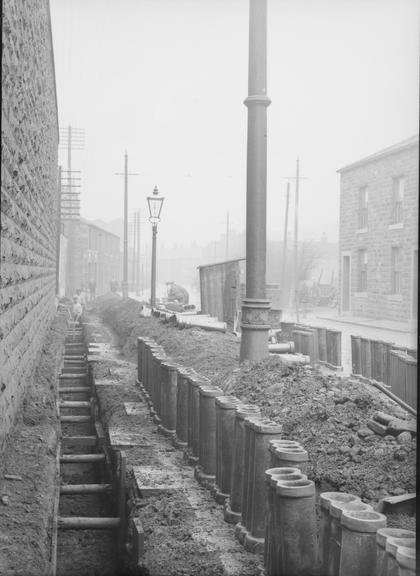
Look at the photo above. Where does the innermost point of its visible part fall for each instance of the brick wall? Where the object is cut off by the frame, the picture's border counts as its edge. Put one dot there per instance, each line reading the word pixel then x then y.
pixel 28 198
pixel 380 236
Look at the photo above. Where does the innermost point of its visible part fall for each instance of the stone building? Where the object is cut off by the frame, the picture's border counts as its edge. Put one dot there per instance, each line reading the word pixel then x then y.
pixel 94 261
pixel 29 143
pixel 379 234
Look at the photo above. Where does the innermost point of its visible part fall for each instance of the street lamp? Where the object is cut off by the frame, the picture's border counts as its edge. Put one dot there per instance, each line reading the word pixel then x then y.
pixel 155 208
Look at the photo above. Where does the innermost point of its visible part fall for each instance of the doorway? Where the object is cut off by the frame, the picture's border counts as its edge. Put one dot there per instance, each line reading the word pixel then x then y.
pixel 345 282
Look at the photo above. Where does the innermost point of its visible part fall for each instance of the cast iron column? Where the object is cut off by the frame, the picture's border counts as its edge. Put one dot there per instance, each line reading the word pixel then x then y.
pixel 255 307
pixel 153 286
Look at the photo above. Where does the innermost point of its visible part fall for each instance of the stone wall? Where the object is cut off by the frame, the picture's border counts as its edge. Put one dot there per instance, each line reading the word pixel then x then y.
pixel 381 235
pixel 29 142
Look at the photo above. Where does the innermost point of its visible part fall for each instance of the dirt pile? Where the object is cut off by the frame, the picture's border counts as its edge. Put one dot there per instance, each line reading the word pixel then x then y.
pixel 328 414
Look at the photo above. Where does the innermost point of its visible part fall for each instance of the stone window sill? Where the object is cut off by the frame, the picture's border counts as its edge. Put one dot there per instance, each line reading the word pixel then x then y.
pixel 394 297
pixel 397 226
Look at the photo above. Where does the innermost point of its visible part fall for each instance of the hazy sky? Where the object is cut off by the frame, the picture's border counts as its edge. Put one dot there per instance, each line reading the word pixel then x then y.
pixel 166 80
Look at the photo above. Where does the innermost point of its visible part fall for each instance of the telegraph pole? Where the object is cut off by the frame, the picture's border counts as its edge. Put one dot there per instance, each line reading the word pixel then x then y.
pixel 284 259
pixel 227 236
pixel 133 267
pixel 138 256
pixel 296 232
pixel 126 174
pixel 255 307
pixel 71 139
pixel 295 295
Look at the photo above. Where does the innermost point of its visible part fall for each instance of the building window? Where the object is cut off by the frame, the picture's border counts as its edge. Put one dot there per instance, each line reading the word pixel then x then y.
pixel 363 207
pixel 397 200
pixel 362 267
pixel 396 270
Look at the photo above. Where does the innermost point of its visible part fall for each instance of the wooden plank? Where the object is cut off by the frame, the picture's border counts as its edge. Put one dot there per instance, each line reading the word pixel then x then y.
pixel 85 488
pixel 77 458
pixel 71 389
pixel 81 523
pixel 74 404
pixel 80 440
pixel 75 418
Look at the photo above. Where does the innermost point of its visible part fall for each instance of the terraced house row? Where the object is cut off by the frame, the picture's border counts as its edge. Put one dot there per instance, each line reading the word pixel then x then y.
pixel 379 234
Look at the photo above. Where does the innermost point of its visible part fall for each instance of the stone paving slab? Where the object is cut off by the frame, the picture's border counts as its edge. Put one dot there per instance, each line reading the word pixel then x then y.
pixel 151 480
pixel 136 408
pixel 122 439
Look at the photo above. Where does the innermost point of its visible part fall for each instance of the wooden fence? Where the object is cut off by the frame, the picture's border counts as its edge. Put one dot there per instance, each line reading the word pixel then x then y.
pixel 384 362
pixel 322 345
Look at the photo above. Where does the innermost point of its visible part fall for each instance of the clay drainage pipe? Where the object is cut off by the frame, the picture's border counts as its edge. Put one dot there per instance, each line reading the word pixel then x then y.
pixel 406 559
pixel 272 561
pixel 295 500
pixel 241 527
pixel 225 425
pixel 325 499
pixel 336 511
pixel 205 472
pixel 263 431
pixel 232 512
pixel 358 542
pixel 292 456
pixel 382 536
pixel 283 444
pixel 392 546
pixel 181 438
pixel 169 398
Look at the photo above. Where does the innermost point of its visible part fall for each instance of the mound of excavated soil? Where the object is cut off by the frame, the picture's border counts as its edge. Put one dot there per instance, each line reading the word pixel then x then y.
pixel 328 414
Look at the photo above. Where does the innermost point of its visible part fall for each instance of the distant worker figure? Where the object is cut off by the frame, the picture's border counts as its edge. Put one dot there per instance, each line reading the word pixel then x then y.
pixel 177 293
pixel 77 310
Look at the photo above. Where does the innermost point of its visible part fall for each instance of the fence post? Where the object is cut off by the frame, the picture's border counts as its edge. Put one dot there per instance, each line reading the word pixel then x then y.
pixel 366 361
pixel 411 381
pixel 355 355
pixel 322 345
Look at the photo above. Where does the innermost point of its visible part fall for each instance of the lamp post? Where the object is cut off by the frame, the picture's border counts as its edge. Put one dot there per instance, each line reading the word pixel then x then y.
pixel 155 208
pixel 255 307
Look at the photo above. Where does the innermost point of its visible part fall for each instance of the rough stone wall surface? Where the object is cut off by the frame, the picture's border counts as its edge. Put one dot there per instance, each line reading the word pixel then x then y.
pixel 380 235
pixel 29 141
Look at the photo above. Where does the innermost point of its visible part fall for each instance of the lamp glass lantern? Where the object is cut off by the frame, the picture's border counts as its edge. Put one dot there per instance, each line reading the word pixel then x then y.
pixel 155 206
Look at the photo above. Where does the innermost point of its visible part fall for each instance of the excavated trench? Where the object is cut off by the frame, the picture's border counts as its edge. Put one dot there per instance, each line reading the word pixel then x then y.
pixel 88 516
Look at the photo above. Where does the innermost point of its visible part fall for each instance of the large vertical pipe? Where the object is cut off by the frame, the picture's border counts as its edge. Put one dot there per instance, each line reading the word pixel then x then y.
pixel 241 527
pixel 205 472
pixel 382 536
pixel 272 522
pixel 225 425
pixel 233 505
pixel 296 502
pixel 336 511
pixel 280 443
pixel 255 326
pixel 392 546
pixel 325 499
pixel 264 431
pixel 406 560
pixel 358 542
